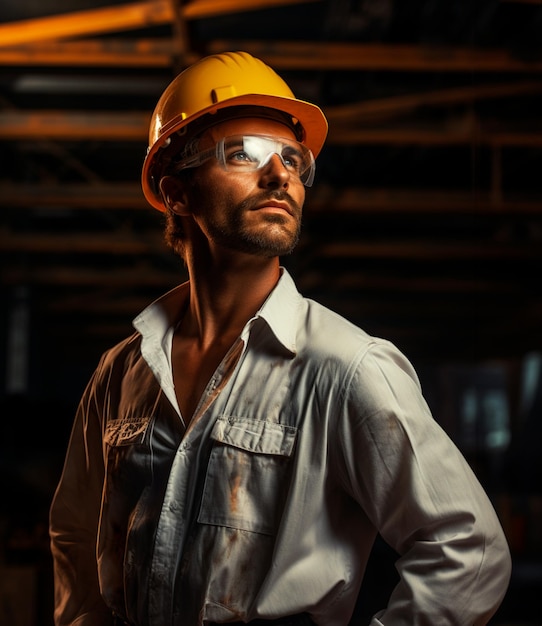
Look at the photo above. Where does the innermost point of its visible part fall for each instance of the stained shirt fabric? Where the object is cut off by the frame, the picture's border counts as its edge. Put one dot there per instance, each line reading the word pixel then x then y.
pixel 310 438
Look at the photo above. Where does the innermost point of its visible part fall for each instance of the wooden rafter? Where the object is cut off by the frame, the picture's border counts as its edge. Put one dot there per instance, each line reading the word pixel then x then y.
pixel 132 126
pixel 334 56
pixel 283 55
pixel 119 244
pixel 122 18
pixel 139 53
pixel 382 108
pixel 147 276
pixel 107 196
pixel 73 126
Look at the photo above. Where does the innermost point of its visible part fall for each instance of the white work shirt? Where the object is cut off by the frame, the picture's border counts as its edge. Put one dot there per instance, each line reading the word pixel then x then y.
pixel 311 438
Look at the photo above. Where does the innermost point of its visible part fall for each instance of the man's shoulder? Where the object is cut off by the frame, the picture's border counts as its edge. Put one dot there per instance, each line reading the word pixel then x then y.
pixel 328 330
pixel 123 353
pixel 320 315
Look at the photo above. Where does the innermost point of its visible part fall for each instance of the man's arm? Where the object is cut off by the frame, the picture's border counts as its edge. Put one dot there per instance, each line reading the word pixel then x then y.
pixel 74 517
pixel 424 499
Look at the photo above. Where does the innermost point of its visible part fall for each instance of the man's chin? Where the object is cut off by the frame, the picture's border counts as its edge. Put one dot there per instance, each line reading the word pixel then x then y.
pixel 267 246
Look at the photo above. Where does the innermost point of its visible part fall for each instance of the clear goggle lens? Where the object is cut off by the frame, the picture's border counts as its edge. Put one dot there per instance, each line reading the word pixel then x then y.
pixel 246 153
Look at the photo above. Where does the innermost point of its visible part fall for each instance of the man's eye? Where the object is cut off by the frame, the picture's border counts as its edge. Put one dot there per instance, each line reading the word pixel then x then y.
pixel 240 156
pixel 292 160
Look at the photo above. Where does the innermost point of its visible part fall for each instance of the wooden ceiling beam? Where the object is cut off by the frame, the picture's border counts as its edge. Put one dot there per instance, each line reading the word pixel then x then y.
pixel 423 136
pixel 117 244
pixel 349 282
pixel 384 108
pixel 121 18
pixel 322 198
pixel 136 277
pixel 298 55
pixel 314 56
pixel 125 305
pixel 116 53
pixel 74 125
pixel 91 22
pixel 97 196
pixel 132 126
pixel 432 250
pixel 121 244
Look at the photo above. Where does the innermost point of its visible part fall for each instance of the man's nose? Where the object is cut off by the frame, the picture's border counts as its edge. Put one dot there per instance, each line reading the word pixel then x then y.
pixel 275 172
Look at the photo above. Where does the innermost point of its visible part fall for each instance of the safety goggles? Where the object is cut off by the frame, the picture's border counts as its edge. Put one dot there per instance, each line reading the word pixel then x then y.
pixel 247 153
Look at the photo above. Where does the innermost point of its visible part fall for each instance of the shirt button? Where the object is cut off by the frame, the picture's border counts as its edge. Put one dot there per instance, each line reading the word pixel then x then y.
pixel 160 577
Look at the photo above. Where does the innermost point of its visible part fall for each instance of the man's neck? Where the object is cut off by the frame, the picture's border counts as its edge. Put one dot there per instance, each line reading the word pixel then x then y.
pixel 223 299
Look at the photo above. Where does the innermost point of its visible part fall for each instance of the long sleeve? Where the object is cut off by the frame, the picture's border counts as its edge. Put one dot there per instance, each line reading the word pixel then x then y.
pixel 74 517
pixel 424 499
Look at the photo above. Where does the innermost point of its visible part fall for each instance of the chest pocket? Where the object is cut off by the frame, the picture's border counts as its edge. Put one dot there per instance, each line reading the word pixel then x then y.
pixel 128 457
pixel 126 432
pixel 248 474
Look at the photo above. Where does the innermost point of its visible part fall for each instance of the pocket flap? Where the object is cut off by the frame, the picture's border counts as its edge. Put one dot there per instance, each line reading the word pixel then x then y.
pixel 255 435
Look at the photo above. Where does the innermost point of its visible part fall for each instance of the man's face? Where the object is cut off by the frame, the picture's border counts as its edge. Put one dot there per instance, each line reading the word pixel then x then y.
pixel 255 212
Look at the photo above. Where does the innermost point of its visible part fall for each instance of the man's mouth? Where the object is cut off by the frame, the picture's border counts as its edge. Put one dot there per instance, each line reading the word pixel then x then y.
pixel 275 204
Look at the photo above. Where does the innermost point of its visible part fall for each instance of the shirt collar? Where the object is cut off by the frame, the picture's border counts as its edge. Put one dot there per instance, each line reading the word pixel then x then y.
pixel 279 312
pixel 162 314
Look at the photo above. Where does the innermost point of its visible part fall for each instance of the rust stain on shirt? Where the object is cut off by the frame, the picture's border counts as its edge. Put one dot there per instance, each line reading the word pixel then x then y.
pixel 234 496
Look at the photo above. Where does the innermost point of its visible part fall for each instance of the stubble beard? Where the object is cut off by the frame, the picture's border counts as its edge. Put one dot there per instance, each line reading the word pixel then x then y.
pixel 271 242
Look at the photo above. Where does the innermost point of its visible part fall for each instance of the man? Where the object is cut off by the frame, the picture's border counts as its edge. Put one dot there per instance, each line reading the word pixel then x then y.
pixel 234 459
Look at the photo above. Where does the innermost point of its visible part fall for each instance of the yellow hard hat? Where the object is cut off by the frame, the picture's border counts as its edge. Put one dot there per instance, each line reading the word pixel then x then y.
pixel 216 82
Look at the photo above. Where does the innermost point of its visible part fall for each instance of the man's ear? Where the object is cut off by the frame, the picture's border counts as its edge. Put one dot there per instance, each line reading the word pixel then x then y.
pixel 174 194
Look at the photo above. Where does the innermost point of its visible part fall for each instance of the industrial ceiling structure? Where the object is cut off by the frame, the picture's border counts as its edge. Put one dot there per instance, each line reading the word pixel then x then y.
pixel 424 224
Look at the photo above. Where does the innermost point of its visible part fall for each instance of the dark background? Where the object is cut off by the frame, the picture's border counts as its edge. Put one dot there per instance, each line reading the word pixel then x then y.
pixel 424 226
